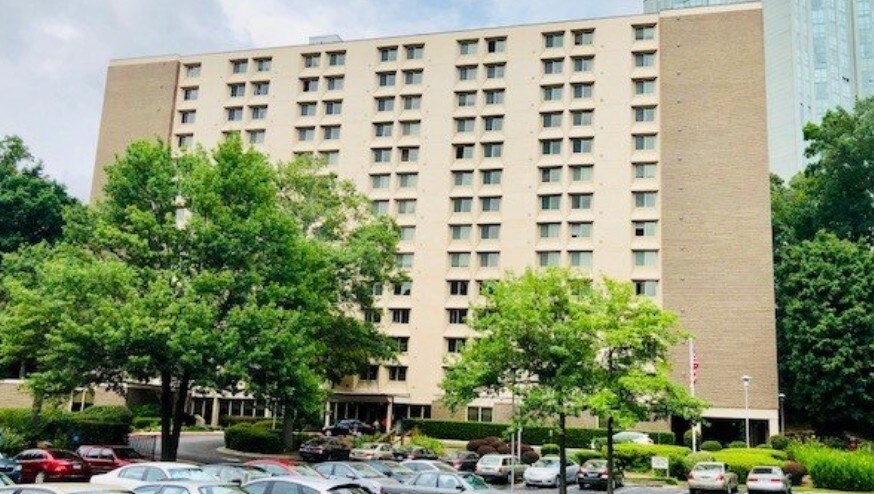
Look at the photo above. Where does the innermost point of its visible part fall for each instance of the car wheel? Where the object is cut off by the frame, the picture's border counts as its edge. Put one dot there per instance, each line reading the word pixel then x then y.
pixel 40 478
pixel 692 491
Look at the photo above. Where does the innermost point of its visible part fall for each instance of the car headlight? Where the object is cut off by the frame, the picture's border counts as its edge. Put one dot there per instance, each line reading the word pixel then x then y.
pixel 17 468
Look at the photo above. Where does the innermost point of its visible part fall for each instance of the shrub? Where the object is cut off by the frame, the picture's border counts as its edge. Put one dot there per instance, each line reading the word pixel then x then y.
pixel 585 455
pixel 779 442
pixel 11 442
pixel 140 423
pixel 741 460
pixel 549 449
pixel 229 420
pixel 490 439
pixel 692 458
pixel 424 441
pixel 92 432
pixel 248 438
pixel 737 445
pixel 147 410
pixel 795 470
pixel 113 414
pixel 267 424
pixel 636 457
pixel 529 457
pixel 711 446
pixel 525 447
pixel 503 449
pixel 834 469
pixel 687 438
pixel 485 450
pixel 474 444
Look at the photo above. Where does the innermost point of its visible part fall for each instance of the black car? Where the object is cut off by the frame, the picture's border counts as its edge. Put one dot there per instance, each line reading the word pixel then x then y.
pixel 324 449
pixel 463 461
pixel 346 427
pixel 415 453
pixel 593 475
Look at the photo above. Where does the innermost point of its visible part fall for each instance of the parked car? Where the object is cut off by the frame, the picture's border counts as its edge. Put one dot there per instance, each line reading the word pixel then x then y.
pixel 189 487
pixel 443 483
pixel 427 466
pixel 358 473
pixel 495 467
pixel 463 461
pixel 235 473
pixel 46 465
pixel 593 475
pixel 281 467
pixel 415 453
pixel 393 469
pixel 63 488
pixel 711 476
pixel 10 468
pixel 302 485
pixel 323 449
pixel 139 474
pixel 546 472
pixel 346 427
pixel 102 459
pixel 373 451
pixel 623 437
pixel 768 479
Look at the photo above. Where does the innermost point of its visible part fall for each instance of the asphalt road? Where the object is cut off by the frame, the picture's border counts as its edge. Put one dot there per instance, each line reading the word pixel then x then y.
pixel 203 448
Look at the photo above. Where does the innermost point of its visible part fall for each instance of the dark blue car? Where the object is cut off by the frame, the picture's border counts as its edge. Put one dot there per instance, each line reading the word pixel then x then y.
pixel 10 468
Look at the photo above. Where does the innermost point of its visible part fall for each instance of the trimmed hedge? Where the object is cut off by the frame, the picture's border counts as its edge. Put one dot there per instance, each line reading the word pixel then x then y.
pixel 637 457
pixel 229 420
pixel 737 445
pixel 109 414
pixel 779 442
pixel 549 449
pixel 251 439
pixel 796 470
pixel 711 446
pixel 585 455
pixel 836 469
pixel 96 425
pixel 146 422
pixel 742 460
pixel 468 431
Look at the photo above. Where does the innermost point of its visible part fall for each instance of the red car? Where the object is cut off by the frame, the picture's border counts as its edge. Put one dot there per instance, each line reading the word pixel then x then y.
pixel 280 466
pixel 45 465
pixel 102 459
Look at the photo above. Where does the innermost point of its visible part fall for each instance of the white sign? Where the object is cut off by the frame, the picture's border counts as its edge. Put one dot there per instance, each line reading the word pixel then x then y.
pixel 659 462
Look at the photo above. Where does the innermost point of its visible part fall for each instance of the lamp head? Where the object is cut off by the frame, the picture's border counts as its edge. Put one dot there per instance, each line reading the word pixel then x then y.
pixel 746 380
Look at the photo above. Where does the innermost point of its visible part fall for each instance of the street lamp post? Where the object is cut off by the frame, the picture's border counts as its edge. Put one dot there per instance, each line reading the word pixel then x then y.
pixel 746 382
pixel 782 397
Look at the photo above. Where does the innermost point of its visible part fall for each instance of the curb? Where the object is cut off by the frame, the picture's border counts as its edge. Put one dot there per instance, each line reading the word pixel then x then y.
pixel 245 454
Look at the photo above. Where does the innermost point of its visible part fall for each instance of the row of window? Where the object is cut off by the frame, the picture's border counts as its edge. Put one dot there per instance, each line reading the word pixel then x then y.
pixel 387 103
pixel 555 66
pixel 413 77
pixel 332 83
pixel 411 52
pixel 493 71
pixel 395 373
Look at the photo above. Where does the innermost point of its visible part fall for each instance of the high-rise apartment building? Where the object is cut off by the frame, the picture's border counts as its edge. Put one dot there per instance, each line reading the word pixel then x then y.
pixel 819 56
pixel 633 147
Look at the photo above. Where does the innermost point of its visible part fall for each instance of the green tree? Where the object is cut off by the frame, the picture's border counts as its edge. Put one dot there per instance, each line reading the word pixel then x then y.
pixel 825 299
pixel 588 347
pixel 842 173
pixel 193 271
pixel 32 204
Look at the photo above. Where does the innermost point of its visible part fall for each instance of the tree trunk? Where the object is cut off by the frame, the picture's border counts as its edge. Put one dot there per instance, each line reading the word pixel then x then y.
pixel 610 485
pixel 36 410
pixel 178 413
pixel 22 370
pixel 562 453
pixel 166 416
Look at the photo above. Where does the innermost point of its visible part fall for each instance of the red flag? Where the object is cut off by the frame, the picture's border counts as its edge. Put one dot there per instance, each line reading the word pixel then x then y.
pixel 695 366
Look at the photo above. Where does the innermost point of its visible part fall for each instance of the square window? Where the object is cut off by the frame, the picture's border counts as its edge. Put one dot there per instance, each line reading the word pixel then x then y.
pixel 550 175
pixel 582 118
pixel 494 124
pixel 379 207
pixel 490 204
pixel 411 128
pixel 404 260
pixel 331 132
pixel 550 202
pixel 462 179
pixel 458 287
pixel 491 177
pixel 335 83
pixel 463 151
pixel 467 47
pixel 459 232
pixel 306 134
pixel 644 113
pixel 386 79
pixel 581 145
pixel 370 373
pixel 644 86
pixel 192 70
pixel 382 129
pixel 546 259
pixel 644 142
pixel 646 288
pixel 645 258
pixel 584 64
pixel 494 96
pixel 583 91
pixel 645 228
pixel 415 52
pixel 581 201
pixel 382 155
pixel 464 124
pixel 551 120
pixel 455 345
pixel 461 204
pixel 554 66
pixel 263 64
pixel 259 112
pixel 402 343
pixel 459 259
pixel 237 90
pixel 385 104
pixel 330 157
pixel 239 66
pixel 333 107
pixel 553 40
pixel 584 38
pixel 412 102
pixel 311 60
pixel 184 140
pixel 187 116
pixel 646 59
pixel 189 93
pixel 549 230
pixel 408 233
pixel 552 93
pixel 493 149
pixel 644 199
pixel 337 58
pixel 496 45
pixel 582 173
pixel 550 147
pixel 307 109
pixel 409 155
pixel 379 181
pixel 397 373
pixel 412 77
pixel 580 230
pixel 457 316
pixel 489 259
pixel 642 33
pixel 489 232
pixel 645 170
pixel 406 206
pixel 496 71
pixel 261 88
pixel 581 259
pixel 310 85
pixel 408 180
pixel 467 73
pixel 388 54
pixel 256 136
pixel 466 99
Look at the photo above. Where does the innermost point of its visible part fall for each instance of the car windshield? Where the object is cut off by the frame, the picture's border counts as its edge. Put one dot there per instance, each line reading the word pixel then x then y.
pixel 764 471
pixel 127 453
pixel 189 474
pixel 64 455
pixel 546 463
pixel 491 460
pixel 306 471
pixel 444 467
pixel 397 467
pixel 707 467
pixel 316 441
pixel 365 470
pixel 475 482
pixel 348 489
pixel 220 489
pixel 592 464
pixel 370 446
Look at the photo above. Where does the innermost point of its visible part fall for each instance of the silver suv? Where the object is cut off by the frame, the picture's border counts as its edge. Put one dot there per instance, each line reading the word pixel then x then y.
pixel 711 476
pixel 499 467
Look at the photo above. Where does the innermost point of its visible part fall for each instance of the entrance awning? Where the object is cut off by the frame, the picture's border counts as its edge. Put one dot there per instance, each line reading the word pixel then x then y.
pixel 366 397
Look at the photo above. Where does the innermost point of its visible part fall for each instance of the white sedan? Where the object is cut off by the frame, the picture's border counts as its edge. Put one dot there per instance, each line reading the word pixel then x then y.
pixel 545 472
pixel 138 474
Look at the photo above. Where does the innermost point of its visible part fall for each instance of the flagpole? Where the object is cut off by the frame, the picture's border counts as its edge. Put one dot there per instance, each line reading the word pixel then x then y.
pixel 692 389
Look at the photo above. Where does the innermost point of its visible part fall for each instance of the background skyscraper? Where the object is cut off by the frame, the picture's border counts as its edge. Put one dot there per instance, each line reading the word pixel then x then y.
pixel 819 55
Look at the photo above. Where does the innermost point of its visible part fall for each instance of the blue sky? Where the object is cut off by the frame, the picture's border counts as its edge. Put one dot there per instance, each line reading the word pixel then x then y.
pixel 54 53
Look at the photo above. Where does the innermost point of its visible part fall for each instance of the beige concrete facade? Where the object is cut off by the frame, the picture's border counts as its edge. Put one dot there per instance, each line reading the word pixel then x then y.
pixel 520 146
